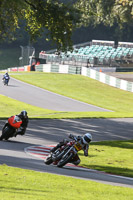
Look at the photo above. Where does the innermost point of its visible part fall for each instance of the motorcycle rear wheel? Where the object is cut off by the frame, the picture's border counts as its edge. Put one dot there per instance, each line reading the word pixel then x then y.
pixel 65 160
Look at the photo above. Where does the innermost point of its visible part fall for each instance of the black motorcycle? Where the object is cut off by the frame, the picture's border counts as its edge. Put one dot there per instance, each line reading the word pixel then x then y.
pixel 64 154
pixel 10 128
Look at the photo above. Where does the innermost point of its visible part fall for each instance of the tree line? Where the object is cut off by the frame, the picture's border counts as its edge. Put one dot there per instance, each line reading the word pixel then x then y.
pixel 58 21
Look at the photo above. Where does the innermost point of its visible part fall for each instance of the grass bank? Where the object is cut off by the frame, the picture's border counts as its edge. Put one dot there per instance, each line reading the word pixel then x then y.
pixel 26 184
pixel 110 156
pixel 14 107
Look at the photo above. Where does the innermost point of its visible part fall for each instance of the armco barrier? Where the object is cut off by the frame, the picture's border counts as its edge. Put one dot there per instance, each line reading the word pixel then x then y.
pixel 55 68
pixel 109 80
pixel 18 69
pixel 74 69
pixel 39 68
pixel 85 71
pixel 13 69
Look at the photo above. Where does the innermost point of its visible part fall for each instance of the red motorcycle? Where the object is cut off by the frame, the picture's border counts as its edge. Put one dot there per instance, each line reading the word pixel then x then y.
pixel 10 128
pixel 64 154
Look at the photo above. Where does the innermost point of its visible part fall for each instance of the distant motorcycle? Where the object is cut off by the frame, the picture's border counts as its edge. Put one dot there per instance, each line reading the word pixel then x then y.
pixel 10 128
pixel 64 154
pixel 5 80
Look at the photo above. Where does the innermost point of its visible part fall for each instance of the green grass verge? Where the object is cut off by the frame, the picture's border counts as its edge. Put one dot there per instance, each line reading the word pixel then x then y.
pixel 110 156
pixel 30 185
pixel 15 107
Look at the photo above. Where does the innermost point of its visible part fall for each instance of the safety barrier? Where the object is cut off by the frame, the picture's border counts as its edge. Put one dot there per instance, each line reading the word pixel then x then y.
pixel 18 69
pixel 109 80
pixel 99 76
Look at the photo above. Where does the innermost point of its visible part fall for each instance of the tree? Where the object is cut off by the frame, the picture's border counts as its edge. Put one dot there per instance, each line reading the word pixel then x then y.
pixel 61 17
pixel 107 12
pixel 57 17
pixel 10 13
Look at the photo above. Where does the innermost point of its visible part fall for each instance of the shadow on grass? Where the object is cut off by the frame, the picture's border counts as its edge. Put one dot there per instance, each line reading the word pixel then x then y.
pixel 90 156
pixel 111 170
pixel 23 191
pixel 127 144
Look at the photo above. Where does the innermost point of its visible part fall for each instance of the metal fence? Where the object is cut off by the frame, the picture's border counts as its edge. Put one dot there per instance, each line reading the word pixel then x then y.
pixel 27 52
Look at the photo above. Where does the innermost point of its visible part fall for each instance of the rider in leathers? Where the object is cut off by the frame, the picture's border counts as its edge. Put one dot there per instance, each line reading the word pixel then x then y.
pixel 84 142
pixel 6 77
pixel 24 117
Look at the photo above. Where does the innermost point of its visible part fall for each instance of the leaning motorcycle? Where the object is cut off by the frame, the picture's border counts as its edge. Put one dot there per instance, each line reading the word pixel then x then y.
pixel 55 156
pixel 10 128
pixel 64 154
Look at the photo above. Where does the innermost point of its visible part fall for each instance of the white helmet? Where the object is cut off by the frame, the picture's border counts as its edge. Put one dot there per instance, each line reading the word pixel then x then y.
pixel 87 138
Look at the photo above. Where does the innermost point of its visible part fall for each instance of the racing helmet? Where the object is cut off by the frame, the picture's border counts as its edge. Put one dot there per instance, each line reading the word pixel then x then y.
pixel 87 138
pixel 24 113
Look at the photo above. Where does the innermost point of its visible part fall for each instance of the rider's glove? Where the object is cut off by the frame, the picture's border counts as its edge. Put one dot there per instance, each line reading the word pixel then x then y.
pixel 79 138
pixel 71 136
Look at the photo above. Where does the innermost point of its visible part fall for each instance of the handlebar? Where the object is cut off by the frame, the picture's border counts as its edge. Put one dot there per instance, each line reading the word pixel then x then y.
pixel 73 137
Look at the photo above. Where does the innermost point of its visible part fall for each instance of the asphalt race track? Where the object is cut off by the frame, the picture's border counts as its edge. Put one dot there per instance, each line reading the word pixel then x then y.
pixel 49 132
pixel 43 98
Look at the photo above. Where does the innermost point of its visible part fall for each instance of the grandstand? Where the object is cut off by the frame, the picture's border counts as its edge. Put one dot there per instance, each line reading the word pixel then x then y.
pixel 96 53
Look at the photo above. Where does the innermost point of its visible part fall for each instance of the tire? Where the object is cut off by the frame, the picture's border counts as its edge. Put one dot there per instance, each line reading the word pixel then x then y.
pixel 6 133
pixel 65 160
pixel 57 156
pixel 48 160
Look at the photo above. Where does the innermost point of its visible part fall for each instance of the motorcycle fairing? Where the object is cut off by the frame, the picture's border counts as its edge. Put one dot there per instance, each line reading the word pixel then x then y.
pixel 15 121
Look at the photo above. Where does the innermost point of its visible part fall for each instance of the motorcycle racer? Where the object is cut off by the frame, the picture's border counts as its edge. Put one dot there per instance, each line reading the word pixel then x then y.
pixel 83 142
pixel 15 125
pixel 24 117
pixel 6 77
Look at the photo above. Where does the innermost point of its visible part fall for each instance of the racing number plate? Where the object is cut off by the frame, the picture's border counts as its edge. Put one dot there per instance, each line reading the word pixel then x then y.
pixel 78 146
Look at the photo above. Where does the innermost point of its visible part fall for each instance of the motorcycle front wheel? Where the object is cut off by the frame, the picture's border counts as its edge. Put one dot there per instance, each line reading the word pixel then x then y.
pixel 65 160
pixel 48 160
pixel 6 133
